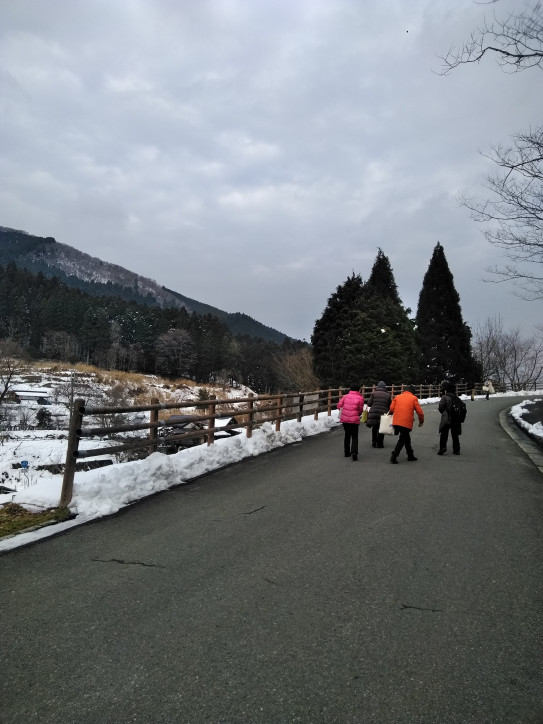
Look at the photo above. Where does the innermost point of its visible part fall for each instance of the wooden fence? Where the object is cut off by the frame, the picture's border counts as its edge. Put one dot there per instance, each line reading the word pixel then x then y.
pixel 250 412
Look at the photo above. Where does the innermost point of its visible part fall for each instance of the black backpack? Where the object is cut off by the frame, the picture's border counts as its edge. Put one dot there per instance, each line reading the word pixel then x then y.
pixel 458 409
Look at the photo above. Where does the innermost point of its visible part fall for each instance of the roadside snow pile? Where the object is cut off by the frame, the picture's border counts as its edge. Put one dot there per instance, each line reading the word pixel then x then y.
pixel 102 492
pixel 518 411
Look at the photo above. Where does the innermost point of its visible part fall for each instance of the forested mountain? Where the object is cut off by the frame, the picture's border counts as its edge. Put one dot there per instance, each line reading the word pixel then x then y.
pixel 49 319
pixel 102 279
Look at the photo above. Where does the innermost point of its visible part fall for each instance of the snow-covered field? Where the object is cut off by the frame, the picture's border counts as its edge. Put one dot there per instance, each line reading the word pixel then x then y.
pixel 26 451
pixel 104 491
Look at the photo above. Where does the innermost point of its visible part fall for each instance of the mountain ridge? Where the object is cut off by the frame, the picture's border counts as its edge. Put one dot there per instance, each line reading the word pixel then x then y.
pixel 100 278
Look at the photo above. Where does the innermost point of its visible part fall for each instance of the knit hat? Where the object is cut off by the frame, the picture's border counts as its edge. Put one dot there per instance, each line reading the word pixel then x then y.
pixel 382 385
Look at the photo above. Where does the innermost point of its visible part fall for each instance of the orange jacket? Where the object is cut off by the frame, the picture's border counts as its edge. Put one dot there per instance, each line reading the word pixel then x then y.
pixel 403 408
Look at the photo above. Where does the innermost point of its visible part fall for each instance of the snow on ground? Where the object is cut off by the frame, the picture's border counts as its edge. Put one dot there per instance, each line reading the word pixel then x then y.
pixel 106 490
pixel 535 429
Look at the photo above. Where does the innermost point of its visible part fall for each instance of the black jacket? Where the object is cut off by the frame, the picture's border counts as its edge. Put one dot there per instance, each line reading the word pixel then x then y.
pixel 379 403
pixel 446 418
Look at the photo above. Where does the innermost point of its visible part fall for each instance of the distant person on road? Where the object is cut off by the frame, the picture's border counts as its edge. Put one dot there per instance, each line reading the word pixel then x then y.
pixel 351 406
pixel 379 404
pixel 488 387
pixel 403 408
pixel 453 414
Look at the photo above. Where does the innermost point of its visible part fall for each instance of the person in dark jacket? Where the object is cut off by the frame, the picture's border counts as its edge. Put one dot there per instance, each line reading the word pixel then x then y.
pixel 351 406
pixel 379 404
pixel 448 421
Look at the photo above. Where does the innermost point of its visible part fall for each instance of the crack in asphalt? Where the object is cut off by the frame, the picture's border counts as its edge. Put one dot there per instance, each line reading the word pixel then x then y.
pixel 250 512
pixel 127 563
pixel 421 608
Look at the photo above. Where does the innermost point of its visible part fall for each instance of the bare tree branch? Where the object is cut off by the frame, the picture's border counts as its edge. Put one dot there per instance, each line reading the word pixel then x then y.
pixel 13 360
pixel 506 356
pixel 514 212
pixel 517 41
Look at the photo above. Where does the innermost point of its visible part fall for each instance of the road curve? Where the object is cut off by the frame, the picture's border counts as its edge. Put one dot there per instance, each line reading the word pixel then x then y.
pixel 297 586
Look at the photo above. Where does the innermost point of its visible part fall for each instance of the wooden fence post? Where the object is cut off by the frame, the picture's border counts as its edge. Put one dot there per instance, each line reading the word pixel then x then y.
pixel 153 417
pixel 329 401
pixel 76 419
pixel 279 413
pixel 211 423
pixel 300 408
pixel 250 412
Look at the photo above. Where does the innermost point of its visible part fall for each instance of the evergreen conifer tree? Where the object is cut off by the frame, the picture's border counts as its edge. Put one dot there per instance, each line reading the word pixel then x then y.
pixel 337 337
pixel 365 333
pixel 381 280
pixel 444 338
pixel 391 345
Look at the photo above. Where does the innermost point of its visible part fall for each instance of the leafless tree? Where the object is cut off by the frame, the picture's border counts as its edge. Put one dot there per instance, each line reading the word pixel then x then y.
pixel 514 212
pixel 517 41
pixel 508 357
pixel 175 352
pixel 484 347
pixel 13 361
pixel 60 345
pixel 295 370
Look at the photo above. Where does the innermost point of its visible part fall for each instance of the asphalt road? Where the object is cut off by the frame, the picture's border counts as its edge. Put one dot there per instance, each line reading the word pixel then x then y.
pixel 297 586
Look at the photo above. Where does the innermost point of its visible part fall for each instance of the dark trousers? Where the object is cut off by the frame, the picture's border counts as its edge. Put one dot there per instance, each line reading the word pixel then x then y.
pixel 444 436
pixel 350 441
pixel 403 439
pixel 377 437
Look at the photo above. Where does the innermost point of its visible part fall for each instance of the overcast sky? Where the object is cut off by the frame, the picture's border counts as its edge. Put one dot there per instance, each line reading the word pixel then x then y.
pixel 251 154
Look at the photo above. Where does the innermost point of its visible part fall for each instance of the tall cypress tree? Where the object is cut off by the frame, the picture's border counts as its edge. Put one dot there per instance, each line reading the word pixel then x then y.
pixel 336 340
pixel 365 333
pixel 381 280
pixel 444 338
pixel 391 344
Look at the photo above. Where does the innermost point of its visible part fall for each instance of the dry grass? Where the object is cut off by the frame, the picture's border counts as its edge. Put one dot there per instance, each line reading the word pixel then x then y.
pixel 15 519
pixel 136 386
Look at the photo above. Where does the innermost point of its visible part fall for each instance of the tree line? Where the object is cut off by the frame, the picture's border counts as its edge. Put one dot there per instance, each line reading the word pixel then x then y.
pixel 365 333
pixel 48 319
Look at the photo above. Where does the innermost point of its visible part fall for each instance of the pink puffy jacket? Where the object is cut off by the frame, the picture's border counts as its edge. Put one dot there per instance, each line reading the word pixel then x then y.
pixel 351 406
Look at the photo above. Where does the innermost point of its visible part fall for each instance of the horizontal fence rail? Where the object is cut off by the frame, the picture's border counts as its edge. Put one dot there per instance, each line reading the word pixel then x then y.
pixel 249 413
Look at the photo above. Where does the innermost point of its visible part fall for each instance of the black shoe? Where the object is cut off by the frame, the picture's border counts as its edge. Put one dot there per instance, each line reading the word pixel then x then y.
pixel 441 452
pixel 355 457
pixel 393 459
pixel 456 452
pixel 347 455
pixel 374 444
pixel 411 458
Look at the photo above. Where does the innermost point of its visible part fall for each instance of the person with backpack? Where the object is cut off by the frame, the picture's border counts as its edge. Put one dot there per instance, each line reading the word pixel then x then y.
pixel 351 406
pixel 453 413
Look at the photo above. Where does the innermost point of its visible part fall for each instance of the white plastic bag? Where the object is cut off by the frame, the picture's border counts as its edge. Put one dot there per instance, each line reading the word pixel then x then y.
pixel 385 426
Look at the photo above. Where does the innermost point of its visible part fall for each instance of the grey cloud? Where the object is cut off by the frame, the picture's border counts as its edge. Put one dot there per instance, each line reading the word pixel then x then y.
pixel 275 145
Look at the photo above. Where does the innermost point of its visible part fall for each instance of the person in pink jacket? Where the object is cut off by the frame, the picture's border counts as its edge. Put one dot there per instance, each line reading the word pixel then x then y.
pixel 351 406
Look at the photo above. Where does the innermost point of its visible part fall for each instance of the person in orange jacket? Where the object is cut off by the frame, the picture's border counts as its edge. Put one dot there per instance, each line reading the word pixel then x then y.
pixel 403 408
